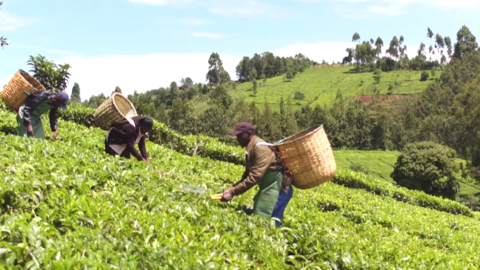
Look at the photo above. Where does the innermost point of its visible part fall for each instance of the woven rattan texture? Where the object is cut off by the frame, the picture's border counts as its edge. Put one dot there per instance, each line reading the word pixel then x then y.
pixel 114 109
pixel 309 156
pixel 14 93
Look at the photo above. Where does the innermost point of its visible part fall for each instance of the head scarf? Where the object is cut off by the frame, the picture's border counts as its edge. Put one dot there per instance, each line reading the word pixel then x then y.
pixel 146 122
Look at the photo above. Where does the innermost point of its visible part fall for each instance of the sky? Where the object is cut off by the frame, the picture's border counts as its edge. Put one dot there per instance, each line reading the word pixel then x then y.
pixel 141 45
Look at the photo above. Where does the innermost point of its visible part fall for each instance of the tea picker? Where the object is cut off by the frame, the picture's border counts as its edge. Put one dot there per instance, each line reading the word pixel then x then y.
pixel 125 129
pixel 304 160
pixel 26 96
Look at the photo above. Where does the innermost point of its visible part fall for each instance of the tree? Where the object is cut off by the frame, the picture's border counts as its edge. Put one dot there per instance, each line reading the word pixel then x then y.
pixel 356 37
pixel 377 75
pixel 348 59
pixel 378 47
pixel 430 34
pixel 429 167
pixel 3 40
pixel 117 90
pixel 466 43
pixel 186 83
pixel 424 76
pixel 75 97
pixel 254 86
pixel 49 74
pixel 439 43
pixel 393 49
pixel 216 73
pixel 448 44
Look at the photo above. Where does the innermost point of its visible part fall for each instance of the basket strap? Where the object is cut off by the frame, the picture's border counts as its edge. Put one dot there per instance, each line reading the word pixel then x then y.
pixel 33 90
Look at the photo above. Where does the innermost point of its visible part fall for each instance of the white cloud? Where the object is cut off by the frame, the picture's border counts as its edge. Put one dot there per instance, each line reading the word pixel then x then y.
pixel 455 3
pixel 163 2
pixel 328 51
pixel 137 72
pixel 193 21
pixel 207 35
pixel 10 22
pixel 244 8
pixel 390 10
pixel 97 75
pixel 49 50
pixel 396 7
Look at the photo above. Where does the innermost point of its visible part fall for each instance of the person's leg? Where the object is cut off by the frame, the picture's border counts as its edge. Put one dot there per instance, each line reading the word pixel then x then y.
pixel 21 128
pixel 126 154
pixel 109 150
pixel 282 203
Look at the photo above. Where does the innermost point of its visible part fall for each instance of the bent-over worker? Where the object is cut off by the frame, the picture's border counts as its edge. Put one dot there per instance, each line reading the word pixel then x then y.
pixel 123 136
pixel 28 116
pixel 262 168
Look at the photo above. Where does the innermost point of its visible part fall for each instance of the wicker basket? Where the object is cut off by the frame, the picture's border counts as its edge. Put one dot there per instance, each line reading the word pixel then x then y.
pixel 308 155
pixel 115 109
pixel 15 93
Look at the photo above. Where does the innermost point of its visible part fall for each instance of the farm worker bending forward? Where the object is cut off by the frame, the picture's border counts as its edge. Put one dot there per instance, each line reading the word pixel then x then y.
pixel 28 117
pixel 123 136
pixel 264 169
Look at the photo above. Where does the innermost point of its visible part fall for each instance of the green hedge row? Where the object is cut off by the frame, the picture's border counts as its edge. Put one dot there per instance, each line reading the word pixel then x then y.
pixel 161 134
pixel 381 187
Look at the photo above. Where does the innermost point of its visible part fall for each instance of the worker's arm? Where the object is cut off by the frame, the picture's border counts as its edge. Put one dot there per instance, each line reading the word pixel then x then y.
pixel 245 174
pixel 131 136
pixel 53 116
pixel 260 160
pixel 143 149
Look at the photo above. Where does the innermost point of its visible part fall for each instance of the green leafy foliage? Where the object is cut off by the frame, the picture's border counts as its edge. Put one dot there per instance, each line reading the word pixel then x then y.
pixel 429 167
pixel 162 134
pixel 381 187
pixel 65 204
pixel 377 75
pixel 424 76
pixel 49 74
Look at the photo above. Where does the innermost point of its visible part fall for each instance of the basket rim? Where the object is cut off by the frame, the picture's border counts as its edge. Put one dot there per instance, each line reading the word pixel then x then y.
pixel 115 104
pixel 308 131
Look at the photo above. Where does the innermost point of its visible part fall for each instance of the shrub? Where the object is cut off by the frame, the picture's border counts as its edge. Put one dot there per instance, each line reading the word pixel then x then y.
pixel 358 168
pixel 299 96
pixel 377 75
pixel 429 167
pixel 424 76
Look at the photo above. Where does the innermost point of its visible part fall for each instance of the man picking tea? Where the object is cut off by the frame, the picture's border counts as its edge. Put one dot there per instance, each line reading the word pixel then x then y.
pixel 262 168
pixel 28 117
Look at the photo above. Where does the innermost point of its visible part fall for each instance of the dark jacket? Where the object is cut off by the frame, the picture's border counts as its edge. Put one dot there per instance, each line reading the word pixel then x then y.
pixel 125 133
pixel 258 161
pixel 31 103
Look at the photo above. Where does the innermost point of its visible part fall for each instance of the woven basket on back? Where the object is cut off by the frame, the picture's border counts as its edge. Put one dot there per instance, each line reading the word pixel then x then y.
pixel 15 93
pixel 115 109
pixel 308 155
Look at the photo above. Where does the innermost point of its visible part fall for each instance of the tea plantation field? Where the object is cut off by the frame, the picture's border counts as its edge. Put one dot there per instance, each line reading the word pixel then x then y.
pixel 64 204
pixel 320 86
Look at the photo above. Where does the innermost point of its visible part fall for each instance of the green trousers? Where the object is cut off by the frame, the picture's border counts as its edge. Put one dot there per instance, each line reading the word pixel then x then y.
pixel 35 120
pixel 266 198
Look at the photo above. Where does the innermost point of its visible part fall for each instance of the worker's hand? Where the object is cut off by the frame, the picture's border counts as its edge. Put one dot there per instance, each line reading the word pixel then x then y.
pixel 54 136
pixel 147 160
pixel 228 195
pixel 30 130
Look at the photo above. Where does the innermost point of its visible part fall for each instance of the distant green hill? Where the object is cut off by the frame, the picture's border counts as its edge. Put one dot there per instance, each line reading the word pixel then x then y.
pixel 321 85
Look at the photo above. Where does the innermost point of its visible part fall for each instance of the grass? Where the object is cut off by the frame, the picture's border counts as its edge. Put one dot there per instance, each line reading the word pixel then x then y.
pixel 376 163
pixel 380 164
pixel 320 86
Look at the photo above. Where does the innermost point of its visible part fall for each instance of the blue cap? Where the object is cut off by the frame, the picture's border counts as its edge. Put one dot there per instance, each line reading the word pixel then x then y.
pixel 62 98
